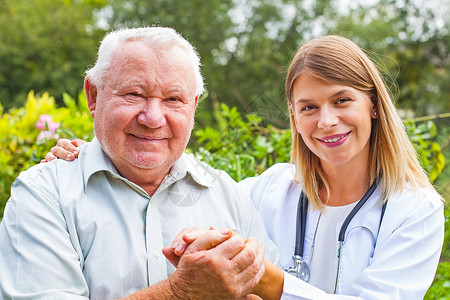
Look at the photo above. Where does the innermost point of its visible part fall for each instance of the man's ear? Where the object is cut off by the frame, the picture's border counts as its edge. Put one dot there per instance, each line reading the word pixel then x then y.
pixel 193 115
pixel 196 101
pixel 91 95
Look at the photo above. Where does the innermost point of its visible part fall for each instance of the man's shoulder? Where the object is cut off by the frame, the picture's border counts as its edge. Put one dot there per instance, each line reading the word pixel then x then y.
pixel 46 178
pixel 53 173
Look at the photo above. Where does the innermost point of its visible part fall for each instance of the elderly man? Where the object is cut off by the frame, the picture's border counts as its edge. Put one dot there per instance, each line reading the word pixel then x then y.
pixel 96 228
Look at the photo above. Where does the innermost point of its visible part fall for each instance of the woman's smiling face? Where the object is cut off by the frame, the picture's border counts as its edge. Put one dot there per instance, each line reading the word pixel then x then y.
pixel 334 121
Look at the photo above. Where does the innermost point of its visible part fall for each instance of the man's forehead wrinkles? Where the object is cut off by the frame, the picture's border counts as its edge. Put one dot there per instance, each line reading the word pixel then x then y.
pixel 174 87
pixel 132 83
pixel 128 84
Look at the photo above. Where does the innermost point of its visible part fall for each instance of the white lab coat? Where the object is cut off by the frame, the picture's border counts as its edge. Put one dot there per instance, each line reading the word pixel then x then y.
pixel 395 261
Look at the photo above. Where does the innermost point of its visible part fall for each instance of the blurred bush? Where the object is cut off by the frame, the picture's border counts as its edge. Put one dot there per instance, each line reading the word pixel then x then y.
pixel 27 133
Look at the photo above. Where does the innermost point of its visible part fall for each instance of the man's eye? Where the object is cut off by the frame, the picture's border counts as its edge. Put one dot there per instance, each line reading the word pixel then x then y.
pixel 173 99
pixel 134 94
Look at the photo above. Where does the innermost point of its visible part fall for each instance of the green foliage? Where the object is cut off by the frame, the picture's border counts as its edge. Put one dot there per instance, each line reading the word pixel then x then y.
pixel 45 45
pixel 410 41
pixel 446 248
pixel 440 289
pixel 23 145
pixel 241 146
pixel 429 152
pixel 245 45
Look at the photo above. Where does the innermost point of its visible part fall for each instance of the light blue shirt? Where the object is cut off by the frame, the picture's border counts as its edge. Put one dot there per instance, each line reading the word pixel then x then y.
pixel 78 230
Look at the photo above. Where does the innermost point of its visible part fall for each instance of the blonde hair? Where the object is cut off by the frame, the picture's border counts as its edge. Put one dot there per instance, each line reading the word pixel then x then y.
pixel 392 159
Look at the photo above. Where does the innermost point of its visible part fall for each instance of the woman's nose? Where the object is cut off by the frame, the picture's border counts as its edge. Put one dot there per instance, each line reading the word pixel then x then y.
pixel 327 118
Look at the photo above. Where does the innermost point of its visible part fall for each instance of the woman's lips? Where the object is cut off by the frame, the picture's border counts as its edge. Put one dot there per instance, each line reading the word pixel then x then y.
pixel 334 140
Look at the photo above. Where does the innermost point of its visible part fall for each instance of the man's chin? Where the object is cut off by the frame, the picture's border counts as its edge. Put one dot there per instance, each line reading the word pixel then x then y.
pixel 148 162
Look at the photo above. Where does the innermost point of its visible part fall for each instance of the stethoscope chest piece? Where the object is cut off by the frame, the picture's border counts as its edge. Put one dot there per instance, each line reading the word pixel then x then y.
pixel 300 268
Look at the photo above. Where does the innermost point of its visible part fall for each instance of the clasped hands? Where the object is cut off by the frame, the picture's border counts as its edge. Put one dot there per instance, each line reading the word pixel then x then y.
pixel 215 261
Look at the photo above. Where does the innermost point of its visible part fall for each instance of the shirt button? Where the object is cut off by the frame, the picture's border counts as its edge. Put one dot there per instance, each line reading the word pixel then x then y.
pixel 156 254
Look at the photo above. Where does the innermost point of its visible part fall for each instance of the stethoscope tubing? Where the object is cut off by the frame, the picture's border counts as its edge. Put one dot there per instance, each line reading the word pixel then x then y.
pixel 302 210
pixel 301 267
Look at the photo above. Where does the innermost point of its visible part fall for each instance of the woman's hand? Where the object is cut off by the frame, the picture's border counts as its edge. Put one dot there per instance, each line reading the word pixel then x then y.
pixel 65 149
pixel 209 238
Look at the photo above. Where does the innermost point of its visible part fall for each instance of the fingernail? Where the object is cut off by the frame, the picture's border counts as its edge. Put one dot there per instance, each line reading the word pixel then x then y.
pixel 75 152
pixel 174 245
pixel 224 231
pixel 69 156
pixel 179 248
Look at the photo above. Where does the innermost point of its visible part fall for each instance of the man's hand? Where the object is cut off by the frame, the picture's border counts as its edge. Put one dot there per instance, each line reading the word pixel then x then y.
pixel 217 265
pixel 65 149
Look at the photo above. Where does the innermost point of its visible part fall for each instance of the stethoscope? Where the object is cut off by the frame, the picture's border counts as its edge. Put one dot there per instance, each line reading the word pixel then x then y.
pixel 301 267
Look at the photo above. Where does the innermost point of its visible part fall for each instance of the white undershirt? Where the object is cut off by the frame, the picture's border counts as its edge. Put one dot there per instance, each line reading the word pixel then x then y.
pixel 323 263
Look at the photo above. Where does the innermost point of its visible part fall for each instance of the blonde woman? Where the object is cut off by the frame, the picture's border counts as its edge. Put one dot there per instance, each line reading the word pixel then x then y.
pixel 354 208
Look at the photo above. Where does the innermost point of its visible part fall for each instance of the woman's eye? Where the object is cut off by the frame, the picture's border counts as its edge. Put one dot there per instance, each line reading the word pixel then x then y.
pixel 342 100
pixel 307 107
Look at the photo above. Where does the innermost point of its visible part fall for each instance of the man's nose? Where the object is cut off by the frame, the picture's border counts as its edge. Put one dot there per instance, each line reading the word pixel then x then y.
pixel 152 114
pixel 328 117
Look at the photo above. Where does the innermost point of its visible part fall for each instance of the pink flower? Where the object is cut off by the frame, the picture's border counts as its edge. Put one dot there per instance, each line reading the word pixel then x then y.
pixel 45 122
pixel 46 135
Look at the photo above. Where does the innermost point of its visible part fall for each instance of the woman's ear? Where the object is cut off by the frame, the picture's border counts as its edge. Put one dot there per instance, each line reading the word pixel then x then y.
pixel 91 95
pixel 374 110
pixel 374 114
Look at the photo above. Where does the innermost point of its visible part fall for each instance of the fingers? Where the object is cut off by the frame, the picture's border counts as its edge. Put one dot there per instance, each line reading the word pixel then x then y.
pixel 65 149
pixel 48 157
pixel 77 142
pixel 185 237
pixel 171 256
pixel 224 264
pixel 252 253
pixel 253 273
pixel 211 239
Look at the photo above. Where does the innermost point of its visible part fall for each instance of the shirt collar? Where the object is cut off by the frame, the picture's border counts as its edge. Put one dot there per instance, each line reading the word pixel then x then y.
pixel 200 172
pixel 96 161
